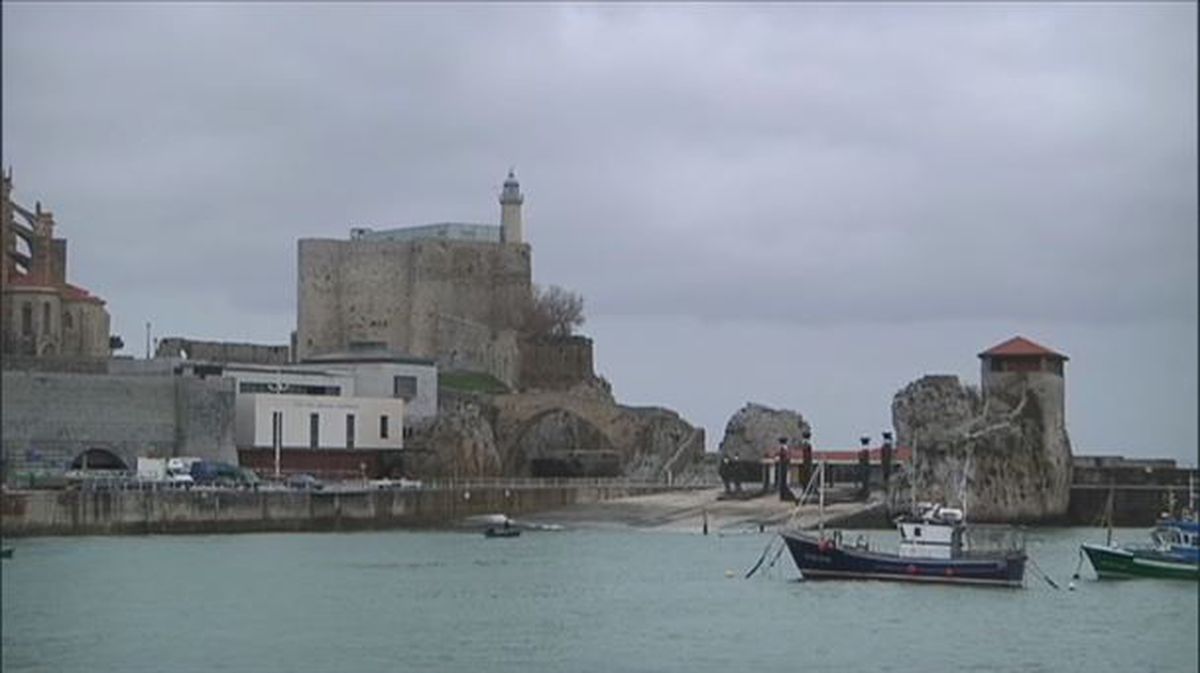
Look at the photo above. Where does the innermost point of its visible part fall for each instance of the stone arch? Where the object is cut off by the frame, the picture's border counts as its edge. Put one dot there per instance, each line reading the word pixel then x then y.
pixel 97 458
pixel 558 442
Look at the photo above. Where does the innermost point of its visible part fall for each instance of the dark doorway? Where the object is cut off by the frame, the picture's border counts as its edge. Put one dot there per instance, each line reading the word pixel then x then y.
pixel 98 459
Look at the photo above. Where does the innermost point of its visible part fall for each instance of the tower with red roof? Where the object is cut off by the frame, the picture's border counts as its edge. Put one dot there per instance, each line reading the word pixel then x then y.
pixel 1010 368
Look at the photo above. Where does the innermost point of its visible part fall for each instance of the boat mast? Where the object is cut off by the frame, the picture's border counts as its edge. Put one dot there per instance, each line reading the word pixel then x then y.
pixel 821 499
pixel 912 486
pixel 1192 492
pixel 962 489
pixel 1108 514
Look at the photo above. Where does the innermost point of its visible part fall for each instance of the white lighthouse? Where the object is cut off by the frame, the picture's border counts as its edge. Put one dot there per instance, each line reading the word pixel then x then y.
pixel 510 210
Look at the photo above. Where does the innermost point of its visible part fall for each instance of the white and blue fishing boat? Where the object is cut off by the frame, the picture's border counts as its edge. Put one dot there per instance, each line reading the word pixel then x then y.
pixel 936 545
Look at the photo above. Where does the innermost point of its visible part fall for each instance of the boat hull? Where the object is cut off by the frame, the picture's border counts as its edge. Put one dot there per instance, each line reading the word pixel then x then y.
pixel 1115 562
pixel 817 559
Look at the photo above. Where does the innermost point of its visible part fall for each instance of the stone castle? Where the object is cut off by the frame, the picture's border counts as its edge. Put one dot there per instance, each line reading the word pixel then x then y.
pixel 41 314
pixel 452 292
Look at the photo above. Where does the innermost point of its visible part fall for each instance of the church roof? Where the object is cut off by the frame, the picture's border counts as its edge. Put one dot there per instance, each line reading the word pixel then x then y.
pixel 76 293
pixel 66 290
pixel 1020 346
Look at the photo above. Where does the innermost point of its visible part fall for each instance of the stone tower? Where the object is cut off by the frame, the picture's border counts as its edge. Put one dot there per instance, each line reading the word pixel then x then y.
pixel 1010 368
pixel 510 210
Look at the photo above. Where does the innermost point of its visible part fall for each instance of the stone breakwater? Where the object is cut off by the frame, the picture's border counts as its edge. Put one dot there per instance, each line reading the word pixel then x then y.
pixel 32 513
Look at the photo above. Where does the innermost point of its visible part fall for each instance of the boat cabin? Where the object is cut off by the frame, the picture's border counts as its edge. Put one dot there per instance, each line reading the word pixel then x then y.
pixel 933 532
pixel 1177 533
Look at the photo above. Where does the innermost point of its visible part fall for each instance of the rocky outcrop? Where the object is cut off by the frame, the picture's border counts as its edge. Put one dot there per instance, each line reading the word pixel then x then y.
pixel 583 425
pixel 1004 453
pixel 459 443
pixel 756 429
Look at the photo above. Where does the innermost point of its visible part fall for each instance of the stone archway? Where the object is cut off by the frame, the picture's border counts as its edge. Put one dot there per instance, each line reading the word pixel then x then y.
pixel 560 443
pixel 98 459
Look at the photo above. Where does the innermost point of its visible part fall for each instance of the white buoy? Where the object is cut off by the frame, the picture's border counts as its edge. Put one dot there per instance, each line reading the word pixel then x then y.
pixel 729 573
pixel 1071 585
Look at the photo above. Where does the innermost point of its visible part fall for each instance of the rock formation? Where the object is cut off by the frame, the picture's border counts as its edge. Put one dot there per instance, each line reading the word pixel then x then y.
pixel 1005 449
pixel 460 443
pixel 582 426
pixel 755 429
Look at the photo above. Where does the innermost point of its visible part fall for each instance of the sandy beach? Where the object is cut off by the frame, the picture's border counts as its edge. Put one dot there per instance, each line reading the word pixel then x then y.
pixel 686 511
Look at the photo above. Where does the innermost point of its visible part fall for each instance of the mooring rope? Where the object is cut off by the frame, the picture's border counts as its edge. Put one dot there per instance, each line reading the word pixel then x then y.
pixel 762 558
pixel 1033 564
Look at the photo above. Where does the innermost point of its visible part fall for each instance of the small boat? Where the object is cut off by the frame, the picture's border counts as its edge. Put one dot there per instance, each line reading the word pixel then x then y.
pixel 506 531
pixel 936 546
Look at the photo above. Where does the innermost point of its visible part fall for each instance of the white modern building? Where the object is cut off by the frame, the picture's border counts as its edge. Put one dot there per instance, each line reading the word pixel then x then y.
pixel 341 401
pixel 290 421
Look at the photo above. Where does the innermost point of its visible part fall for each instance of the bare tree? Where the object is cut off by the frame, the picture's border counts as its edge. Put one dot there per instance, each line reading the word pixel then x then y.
pixel 553 311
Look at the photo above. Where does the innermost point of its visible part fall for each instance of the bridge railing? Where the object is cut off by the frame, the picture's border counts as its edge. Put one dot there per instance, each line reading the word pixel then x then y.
pixel 540 482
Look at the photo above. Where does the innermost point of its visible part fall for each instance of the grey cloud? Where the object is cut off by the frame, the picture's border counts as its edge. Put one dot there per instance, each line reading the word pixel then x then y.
pixel 793 164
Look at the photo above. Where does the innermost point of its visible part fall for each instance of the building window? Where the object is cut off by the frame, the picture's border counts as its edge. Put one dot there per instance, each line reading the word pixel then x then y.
pixel 404 387
pixel 276 429
pixel 288 388
pixel 26 319
pixel 314 430
pixel 45 317
pixel 349 431
pixel 68 323
pixel 383 427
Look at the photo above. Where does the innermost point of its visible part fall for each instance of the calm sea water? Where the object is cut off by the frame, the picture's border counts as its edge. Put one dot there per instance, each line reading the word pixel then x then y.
pixel 556 601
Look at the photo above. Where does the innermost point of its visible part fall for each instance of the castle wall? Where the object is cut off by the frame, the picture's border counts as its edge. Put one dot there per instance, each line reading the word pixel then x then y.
pixel 223 351
pixel 555 362
pixel 447 300
pixel 1002 391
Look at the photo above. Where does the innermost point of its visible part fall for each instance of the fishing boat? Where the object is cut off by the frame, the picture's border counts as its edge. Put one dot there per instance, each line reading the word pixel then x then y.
pixel 936 546
pixel 1170 560
pixel 505 531
pixel 1173 551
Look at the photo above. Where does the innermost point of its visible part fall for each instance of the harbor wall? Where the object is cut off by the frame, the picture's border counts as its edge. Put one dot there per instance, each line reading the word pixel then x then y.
pixel 116 512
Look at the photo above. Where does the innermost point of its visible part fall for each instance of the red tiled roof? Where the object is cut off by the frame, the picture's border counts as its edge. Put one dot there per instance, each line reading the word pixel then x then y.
pixel 76 293
pixel 1019 345
pixel 66 290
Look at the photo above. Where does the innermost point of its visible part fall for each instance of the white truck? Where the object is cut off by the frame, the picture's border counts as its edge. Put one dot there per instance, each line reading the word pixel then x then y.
pixel 151 469
pixel 175 472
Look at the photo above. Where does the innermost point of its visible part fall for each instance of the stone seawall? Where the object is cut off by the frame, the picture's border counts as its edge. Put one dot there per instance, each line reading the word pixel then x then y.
pixel 50 418
pixel 34 513
pixel 1132 505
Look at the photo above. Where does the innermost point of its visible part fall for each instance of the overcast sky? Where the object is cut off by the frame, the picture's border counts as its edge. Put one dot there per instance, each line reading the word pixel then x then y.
pixel 802 205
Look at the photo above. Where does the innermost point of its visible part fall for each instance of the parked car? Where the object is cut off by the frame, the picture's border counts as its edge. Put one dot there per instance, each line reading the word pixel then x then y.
pixel 213 473
pixel 305 481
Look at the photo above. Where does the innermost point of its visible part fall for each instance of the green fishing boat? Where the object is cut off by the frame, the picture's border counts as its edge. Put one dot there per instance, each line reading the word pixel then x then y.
pixel 1122 562
pixel 1174 552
